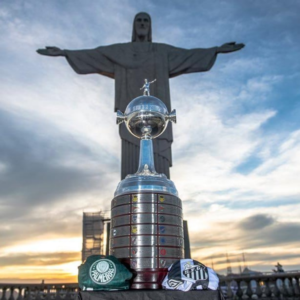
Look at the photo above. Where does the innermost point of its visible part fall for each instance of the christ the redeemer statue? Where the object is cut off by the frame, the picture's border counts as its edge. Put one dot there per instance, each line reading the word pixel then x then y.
pixel 129 64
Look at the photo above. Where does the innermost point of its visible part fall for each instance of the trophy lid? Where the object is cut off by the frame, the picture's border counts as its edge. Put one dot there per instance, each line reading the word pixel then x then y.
pixel 146 103
pixel 146 117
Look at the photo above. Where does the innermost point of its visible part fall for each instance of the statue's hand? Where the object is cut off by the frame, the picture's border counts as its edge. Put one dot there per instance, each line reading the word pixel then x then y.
pixel 230 47
pixel 51 51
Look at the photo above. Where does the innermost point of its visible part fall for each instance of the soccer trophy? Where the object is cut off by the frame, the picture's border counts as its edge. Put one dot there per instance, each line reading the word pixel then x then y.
pixel 146 213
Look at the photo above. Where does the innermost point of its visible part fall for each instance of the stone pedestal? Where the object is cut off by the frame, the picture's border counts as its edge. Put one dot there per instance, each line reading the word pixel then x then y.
pixel 150 295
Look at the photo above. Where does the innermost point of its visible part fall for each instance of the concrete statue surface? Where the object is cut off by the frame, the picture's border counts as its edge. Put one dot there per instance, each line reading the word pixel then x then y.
pixel 127 64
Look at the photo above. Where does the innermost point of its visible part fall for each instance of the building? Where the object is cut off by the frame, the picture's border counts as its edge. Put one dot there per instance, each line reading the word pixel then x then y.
pixel 92 234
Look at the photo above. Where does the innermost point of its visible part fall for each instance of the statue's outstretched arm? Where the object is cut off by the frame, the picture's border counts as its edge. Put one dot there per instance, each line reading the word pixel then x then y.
pixel 230 47
pixel 86 61
pixel 51 51
pixel 152 81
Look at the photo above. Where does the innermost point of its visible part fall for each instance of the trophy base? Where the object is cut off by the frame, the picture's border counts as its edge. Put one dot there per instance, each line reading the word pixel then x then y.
pixel 136 183
pixel 146 279
pixel 149 279
pixel 147 235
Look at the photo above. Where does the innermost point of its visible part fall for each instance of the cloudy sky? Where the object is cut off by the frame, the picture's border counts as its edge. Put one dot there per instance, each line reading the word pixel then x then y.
pixel 236 150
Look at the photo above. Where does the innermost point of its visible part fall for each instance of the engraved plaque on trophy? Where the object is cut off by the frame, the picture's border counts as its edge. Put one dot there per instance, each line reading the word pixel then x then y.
pixel 147 229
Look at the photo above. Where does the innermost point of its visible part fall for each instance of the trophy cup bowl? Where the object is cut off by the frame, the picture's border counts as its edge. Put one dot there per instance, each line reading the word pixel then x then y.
pixel 146 116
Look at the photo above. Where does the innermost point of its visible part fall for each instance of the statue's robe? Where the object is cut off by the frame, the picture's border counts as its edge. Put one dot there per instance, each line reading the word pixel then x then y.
pixel 129 64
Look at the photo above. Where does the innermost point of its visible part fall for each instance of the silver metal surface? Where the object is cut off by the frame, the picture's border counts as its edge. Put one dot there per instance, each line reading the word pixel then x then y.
pixel 172 116
pixel 144 229
pixel 147 240
pixel 120 231
pixel 143 251
pixel 146 112
pixel 120 252
pixel 143 104
pixel 144 240
pixel 166 263
pixel 120 210
pixel 143 198
pixel 164 219
pixel 154 121
pixel 146 87
pixel 147 223
pixel 146 117
pixel 170 230
pixel 146 183
pixel 120 242
pixel 152 233
pixel 143 208
pixel 170 252
pixel 143 218
pixel 143 263
pixel 120 117
pixel 118 221
pixel 169 199
pixel 170 241
pixel 125 199
pixel 169 209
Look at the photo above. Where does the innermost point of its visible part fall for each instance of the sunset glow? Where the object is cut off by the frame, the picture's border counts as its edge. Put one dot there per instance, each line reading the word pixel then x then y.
pixel 236 149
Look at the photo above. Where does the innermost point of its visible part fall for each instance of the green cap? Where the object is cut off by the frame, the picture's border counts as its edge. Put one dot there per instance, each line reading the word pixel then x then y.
pixel 103 273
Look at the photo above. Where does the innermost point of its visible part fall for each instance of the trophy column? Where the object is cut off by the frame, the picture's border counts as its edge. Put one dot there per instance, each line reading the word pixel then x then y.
pixel 146 213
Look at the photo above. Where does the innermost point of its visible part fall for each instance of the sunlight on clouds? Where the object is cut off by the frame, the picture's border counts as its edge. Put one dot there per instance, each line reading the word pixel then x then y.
pixel 46 246
pixel 76 109
pixel 70 208
pixel 215 242
pixel 69 268
pixel 211 160
pixel 43 260
pixel 68 125
pixel 261 259
pixel 59 273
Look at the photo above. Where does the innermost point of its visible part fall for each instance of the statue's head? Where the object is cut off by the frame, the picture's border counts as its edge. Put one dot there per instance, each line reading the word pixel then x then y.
pixel 142 28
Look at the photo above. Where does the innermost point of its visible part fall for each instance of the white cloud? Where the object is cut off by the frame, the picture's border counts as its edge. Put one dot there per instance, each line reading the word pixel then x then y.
pixel 3 167
pixel 252 65
pixel 46 246
pixel 211 172
pixel 215 133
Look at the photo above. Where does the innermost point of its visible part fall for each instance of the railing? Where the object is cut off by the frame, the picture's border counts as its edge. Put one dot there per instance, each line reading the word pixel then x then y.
pixel 38 291
pixel 262 286
pixel 268 286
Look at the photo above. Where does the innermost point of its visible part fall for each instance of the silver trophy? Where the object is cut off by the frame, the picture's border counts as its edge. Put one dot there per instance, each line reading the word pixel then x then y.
pixel 146 117
pixel 146 214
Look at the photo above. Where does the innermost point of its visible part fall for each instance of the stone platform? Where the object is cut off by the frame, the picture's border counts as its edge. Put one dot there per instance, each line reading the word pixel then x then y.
pixel 149 295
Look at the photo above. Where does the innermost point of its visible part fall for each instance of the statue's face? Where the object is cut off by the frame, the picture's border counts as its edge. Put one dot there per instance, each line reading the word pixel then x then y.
pixel 142 25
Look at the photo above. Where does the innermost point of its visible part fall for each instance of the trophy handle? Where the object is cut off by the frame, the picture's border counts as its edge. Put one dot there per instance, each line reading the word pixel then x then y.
pixel 172 116
pixel 120 117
